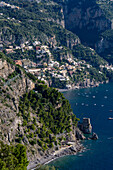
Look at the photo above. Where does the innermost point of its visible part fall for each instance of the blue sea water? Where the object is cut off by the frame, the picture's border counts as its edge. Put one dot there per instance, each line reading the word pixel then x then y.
pixel 97 104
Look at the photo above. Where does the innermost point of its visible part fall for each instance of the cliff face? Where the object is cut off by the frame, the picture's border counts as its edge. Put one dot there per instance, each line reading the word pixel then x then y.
pixel 10 91
pixel 103 44
pixel 27 110
pixel 41 24
pixel 5 68
pixel 91 18
pixel 87 22
pixel 106 42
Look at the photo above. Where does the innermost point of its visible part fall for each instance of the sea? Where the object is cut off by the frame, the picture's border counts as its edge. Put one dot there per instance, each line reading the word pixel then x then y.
pixel 97 104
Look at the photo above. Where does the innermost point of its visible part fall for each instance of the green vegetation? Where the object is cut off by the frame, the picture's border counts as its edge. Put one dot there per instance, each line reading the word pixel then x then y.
pixel 58 84
pixel 3 57
pixel 107 52
pixel 107 7
pixel 33 21
pixel 108 35
pixel 19 55
pixel 13 157
pixel 51 115
pixel 32 77
pixel 89 55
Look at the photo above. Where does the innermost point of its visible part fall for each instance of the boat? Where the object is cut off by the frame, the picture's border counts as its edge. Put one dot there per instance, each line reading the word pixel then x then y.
pixel 93 96
pixel 110 110
pixel 110 138
pixel 110 118
pixel 105 97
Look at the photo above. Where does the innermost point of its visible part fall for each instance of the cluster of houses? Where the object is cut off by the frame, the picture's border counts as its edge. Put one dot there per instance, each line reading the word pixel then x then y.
pixel 12 49
pixel 47 71
pixel 61 72
pixel 107 66
pixel 41 50
pixel 26 63
pixel 2 4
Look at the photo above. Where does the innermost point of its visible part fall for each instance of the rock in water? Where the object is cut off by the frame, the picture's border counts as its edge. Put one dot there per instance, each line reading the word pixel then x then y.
pixel 85 126
pixel 94 136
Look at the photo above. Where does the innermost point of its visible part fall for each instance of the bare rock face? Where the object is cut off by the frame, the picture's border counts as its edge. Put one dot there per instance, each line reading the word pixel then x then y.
pixel 94 136
pixel 85 126
pixel 5 68
pixel 79 134
pixel 9 100
pixel 86 21
pixel 103 44
pixel 90 18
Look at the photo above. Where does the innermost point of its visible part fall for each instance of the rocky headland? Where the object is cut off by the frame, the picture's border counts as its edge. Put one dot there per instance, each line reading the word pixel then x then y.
pixel 71 147
pixel 37 116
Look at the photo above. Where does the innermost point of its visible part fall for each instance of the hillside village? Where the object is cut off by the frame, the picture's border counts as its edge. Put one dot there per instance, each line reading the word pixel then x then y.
pixel 73 73
pixel 52 61
pixel 47 47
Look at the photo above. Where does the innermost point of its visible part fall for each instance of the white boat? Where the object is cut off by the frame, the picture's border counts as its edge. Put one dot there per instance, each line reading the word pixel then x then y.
pixel 105 97
pixel 110 118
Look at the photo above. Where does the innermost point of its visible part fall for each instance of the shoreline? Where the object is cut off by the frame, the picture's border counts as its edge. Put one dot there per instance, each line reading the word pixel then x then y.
pixel 57 157
pixel 75 148
pixel 82 87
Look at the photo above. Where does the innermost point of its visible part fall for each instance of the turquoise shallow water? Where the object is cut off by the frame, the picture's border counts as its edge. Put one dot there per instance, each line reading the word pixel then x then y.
pixel 95 103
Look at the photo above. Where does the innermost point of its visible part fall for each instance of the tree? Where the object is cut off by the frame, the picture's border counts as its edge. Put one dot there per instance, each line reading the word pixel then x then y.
pixel 13 157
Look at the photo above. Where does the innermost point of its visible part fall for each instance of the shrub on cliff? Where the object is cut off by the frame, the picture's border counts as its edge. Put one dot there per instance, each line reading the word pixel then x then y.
pixel 13 157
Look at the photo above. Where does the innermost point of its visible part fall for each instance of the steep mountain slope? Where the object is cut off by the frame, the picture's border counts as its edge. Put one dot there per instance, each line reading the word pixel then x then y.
pixel 25 22
pixel 87 19
pixel 32 21
pixel 33 114
pixel 92 21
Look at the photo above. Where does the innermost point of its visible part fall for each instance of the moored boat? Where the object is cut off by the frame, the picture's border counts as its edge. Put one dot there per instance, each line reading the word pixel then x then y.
pixel 110 118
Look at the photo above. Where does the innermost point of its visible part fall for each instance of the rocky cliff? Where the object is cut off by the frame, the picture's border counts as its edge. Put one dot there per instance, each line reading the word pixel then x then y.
pixel 34 115
pixel 86 20
pixel 11 89
pixel 92 21
pixel 42 24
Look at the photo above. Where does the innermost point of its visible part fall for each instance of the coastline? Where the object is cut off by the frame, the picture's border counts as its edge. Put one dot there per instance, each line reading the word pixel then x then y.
pixel 73 149
pixel 82 87
pixel 77 147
